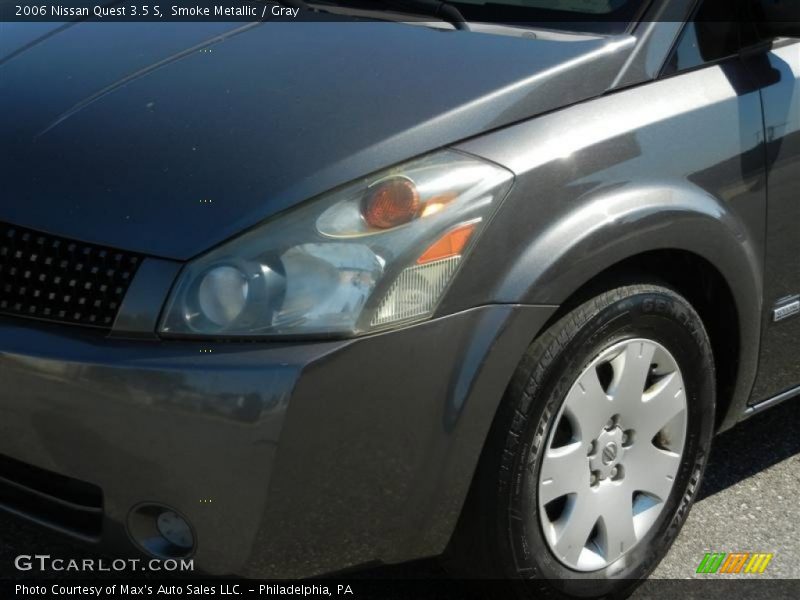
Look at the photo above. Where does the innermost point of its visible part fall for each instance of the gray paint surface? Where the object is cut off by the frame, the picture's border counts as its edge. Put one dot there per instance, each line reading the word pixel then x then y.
pixel 120 130
pixel 601 175
pixel 747 503
pixel 612 178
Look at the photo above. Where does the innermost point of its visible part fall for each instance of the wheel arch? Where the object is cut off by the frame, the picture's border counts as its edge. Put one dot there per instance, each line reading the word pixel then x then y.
pixel 677 234
pixel 706 289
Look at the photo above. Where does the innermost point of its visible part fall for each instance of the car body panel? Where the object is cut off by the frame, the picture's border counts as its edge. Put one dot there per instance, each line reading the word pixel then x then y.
pixel 779 369
pixel 255 429
pixel 617 177
pixel 141 308
pixel 180 113
pixel 369 444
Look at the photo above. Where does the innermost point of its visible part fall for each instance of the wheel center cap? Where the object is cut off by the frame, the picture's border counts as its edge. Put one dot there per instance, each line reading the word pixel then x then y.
pixel 609 452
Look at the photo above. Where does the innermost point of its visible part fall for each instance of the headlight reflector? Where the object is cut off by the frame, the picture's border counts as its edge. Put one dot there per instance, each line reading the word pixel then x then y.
pixel 222 294
pixel 377 252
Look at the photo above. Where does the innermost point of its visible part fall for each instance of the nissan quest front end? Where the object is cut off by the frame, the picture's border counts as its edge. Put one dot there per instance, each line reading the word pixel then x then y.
pixel 367 282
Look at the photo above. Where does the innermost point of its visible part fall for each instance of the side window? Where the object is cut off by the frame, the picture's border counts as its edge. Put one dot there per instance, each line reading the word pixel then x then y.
pixel 717 32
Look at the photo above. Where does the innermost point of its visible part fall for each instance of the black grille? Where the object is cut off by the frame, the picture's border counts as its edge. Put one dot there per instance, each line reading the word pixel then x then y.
pixel 47 277
pixel 63 503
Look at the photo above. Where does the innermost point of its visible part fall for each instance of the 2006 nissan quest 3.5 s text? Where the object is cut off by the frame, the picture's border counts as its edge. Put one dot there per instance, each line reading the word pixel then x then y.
pixel 395 283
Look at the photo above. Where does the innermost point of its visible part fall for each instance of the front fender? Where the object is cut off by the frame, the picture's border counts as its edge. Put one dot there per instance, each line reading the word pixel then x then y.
pixel 608 228
pixel 611 227
pixel 676 164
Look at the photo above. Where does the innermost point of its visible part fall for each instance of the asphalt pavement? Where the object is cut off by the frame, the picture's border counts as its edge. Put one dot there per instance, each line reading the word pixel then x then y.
pixel 750 498
pixel 749 502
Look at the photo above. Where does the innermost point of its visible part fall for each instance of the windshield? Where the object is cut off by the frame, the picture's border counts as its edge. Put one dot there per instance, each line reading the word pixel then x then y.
pixel 597 16
pixel 592 16
pixel 588 7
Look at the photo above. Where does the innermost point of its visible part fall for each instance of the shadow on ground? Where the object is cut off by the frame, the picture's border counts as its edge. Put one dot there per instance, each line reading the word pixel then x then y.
pixel 753 446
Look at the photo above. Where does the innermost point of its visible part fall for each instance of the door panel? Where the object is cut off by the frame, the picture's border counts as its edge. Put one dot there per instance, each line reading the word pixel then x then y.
pixel 779 368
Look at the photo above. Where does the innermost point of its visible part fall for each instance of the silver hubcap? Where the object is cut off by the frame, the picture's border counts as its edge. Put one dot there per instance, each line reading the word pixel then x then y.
pixel 612 454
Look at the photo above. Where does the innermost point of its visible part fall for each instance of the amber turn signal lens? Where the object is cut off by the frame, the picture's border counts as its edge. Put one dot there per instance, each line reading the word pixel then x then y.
pixel 450 244
pixel 391 203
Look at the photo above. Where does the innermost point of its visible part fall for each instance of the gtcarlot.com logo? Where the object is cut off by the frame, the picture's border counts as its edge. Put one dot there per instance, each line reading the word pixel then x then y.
pixel 734 563
pixel 45 562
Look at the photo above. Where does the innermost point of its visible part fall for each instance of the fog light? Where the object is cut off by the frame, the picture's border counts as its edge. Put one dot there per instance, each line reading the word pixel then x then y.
pixel 222 295
pixel 161 531
pixel 175 529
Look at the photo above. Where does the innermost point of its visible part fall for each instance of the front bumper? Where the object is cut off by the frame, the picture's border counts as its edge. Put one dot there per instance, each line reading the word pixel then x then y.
pixel 289 460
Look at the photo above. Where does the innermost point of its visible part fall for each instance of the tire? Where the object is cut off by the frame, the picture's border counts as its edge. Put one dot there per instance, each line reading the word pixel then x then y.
pixel 518 526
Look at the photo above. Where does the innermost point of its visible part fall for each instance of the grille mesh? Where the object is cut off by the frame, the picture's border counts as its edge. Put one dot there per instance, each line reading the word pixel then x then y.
pixel 56 279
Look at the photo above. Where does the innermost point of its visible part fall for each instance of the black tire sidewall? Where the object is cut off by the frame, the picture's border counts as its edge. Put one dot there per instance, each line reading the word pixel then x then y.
pixel 659 315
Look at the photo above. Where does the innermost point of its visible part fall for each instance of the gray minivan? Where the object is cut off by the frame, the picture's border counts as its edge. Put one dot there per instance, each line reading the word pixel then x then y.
pixel 404 279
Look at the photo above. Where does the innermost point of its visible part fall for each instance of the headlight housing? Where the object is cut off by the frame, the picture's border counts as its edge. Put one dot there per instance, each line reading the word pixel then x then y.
pixel 372 254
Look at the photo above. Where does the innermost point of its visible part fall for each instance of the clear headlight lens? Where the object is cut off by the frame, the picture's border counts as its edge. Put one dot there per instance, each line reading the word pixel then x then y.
pixel 375 253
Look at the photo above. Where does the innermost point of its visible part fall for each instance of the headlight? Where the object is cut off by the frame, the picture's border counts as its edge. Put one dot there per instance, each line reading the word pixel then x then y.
pixel 372 254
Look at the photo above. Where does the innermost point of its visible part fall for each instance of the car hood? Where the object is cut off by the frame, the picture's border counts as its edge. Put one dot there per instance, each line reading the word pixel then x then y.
pixel 169 138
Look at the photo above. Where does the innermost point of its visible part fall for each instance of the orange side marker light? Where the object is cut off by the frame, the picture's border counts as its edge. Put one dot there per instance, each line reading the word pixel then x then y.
pixel 450 244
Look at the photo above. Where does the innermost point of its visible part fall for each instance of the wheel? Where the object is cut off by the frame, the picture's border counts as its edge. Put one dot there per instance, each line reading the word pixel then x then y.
pixel 597 451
